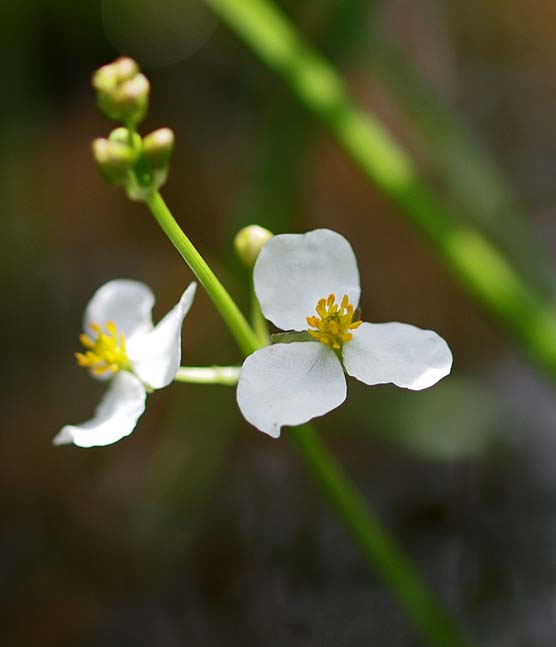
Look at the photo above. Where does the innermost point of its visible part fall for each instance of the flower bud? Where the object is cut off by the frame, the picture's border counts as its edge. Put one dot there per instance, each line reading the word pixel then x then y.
pixel 248 243
pixel 108 76
pixel 124 136
pixel 126 68
pixel 158 147
pixel 113 159
pixel 105 78
pixel 122 91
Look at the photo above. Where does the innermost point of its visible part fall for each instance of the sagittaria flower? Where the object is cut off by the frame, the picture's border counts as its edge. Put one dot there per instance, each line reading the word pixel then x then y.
pixel 295 276
pixel 122 345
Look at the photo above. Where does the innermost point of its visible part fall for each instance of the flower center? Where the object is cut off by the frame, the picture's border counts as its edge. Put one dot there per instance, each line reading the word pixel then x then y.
pixel 333 322
pixel 105 354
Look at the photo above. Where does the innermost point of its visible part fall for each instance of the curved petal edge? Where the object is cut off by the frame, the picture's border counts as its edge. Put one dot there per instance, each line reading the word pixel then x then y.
pixel 126 302
pixel 397 353
pixel 289 384
pixel 115 417
pixel 156 356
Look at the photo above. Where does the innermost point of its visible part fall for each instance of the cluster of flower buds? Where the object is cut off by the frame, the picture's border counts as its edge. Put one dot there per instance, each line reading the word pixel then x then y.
pixel 122 91
pixel 126 159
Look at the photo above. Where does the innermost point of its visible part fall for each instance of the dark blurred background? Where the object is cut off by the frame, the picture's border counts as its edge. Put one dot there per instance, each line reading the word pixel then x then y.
pixel 198 530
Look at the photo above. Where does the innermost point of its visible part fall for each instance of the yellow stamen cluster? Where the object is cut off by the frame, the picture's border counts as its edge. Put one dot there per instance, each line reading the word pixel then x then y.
pixel 334 322
pixel 105 354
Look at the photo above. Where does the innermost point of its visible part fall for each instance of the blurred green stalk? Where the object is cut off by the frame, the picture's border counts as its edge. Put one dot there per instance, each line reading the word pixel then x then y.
pixel 480 193
pixel 378 548
pixel 471 181
pixel 475 261
pixel 376 545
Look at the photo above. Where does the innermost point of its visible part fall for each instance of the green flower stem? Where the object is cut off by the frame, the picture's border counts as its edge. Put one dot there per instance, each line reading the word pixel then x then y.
pixel 472 258
pixel 246 339
pixel 257 319
pixel 228 375
pixel 373 540
pixel 378 548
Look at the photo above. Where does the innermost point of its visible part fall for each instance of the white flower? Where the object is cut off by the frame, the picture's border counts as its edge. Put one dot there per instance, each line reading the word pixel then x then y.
pixel 291 383
pixel 123 345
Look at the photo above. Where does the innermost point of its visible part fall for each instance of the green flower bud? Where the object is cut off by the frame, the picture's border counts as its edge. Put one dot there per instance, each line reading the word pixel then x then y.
pixel 123 136
pixel 109 76
pixel 248 243
pixel 105 78
pixel 158 147
pixel 151 169
pixel 126 68
pixel 114 159
pixel 122 91
pixel 141 165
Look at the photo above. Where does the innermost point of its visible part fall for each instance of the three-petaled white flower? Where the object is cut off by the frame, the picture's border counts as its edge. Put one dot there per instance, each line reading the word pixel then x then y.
pixel 291 383
pixel 123 345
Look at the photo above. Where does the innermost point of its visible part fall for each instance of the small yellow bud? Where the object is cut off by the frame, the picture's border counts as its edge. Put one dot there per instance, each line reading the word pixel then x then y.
pixel 126 68
pixel 158 147
pixel 113 159
pixel 135 89
pixel 249 241
pixel 105 78
pixel 108 76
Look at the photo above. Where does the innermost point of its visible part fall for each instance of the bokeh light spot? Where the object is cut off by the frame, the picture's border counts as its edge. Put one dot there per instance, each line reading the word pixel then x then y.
pixel 157 32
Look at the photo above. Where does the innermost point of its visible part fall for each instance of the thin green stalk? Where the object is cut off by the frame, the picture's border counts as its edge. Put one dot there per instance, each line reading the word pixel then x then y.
pixel 227 375
pixel 379 549
pixel 258 321
pixel 246 339
pixel 474 260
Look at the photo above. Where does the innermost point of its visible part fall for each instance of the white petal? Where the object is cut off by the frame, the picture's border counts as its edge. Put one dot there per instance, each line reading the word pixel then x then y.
pixel 399 353
pixel 156 356
pixel 115 417
pixel 294 271
pixel 125 302
pixel 289 384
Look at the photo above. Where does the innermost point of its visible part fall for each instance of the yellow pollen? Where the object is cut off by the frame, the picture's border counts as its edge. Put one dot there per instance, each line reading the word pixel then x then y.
pixel 334 322
pixel 106 353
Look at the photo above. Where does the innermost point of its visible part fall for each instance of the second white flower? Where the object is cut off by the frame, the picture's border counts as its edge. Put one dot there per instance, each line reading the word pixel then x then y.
pixel 310 282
